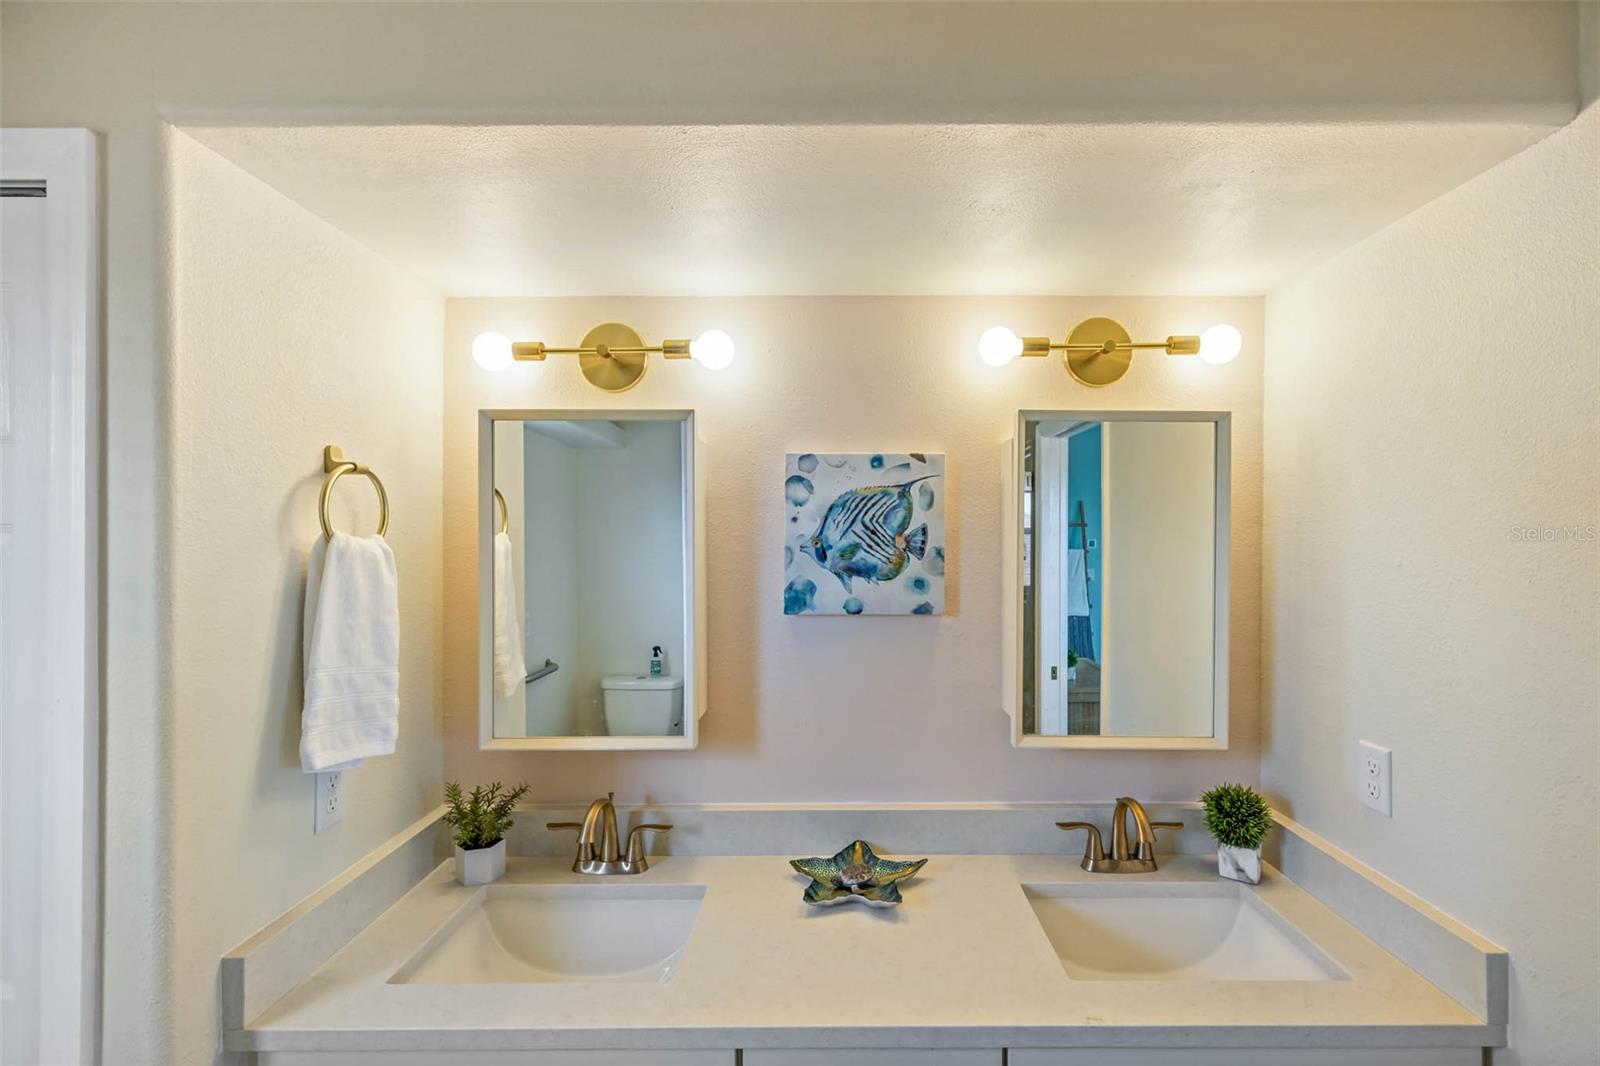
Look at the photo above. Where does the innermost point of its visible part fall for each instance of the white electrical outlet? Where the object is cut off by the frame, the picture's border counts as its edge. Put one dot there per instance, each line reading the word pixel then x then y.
pixel 1375 778
pixel 330 801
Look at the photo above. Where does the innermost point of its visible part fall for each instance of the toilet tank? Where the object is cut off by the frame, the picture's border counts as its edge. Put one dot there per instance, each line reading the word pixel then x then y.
pixel 640 705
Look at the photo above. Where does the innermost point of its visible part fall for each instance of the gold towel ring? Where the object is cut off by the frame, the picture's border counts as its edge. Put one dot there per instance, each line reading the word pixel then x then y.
pixel 337 466
pixel 505 514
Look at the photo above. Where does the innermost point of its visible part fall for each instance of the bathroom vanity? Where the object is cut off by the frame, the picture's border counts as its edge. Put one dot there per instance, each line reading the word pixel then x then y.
pixel 706 958
pixel 1007 948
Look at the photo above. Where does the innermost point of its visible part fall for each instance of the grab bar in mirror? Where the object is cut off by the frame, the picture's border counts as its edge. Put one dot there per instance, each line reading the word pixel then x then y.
pixel 546 670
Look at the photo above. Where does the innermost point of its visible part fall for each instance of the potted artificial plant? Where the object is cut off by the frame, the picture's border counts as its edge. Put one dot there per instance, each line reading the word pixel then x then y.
pixel 480 820
pixel 1239 818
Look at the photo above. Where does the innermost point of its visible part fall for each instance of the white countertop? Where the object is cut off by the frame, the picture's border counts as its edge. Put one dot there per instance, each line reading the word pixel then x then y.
pixel 962 963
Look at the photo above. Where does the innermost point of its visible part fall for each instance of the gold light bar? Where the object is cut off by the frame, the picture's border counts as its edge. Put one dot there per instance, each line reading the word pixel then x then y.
pixel 1099 351
pixel 1180 344
pixel 535 351
pixel 611 356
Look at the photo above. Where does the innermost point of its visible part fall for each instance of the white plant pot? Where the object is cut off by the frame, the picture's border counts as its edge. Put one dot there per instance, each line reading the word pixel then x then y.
pixel 480 865
pixel 1239 864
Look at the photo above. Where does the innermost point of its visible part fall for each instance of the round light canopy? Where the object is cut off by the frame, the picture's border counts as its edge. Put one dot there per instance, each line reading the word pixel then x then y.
pixel 1098 351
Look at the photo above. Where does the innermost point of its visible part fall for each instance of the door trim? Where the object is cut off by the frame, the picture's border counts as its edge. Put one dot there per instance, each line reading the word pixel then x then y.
pixel 66 160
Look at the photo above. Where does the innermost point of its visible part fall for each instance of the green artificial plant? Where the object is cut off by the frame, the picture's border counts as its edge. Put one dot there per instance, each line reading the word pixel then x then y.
pixel 1237 816
pixel 481 817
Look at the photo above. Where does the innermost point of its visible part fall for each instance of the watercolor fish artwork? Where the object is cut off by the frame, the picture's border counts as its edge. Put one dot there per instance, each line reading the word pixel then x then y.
pixel 864 533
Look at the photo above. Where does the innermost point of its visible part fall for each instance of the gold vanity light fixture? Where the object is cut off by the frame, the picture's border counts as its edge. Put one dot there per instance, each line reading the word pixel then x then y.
pixel 1098 351
pixel 611 355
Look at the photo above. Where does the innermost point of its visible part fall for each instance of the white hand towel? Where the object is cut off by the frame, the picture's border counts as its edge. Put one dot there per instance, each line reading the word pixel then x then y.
pixel 1077 582
pixel 510 668
pixel 352 654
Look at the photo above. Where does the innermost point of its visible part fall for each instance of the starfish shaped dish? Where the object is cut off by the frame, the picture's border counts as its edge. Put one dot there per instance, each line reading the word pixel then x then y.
pixel 855 873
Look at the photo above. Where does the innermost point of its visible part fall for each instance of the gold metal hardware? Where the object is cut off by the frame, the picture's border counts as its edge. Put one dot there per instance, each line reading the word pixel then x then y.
pixel 1099 351
pixel 336 466
pixel 635 854
pixel 1094 852
pixel 505 513
pixel 612 356
pixel 1142 857
pixel 598 851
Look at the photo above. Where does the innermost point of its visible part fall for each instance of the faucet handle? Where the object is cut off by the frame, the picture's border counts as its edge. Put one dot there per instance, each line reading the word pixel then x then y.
pixel 1093 848
pixel 1147 849
pixel 636 840
pixel 583 851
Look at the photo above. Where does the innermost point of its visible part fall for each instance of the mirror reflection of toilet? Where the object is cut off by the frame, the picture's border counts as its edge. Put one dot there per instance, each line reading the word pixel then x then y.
pixel 641 706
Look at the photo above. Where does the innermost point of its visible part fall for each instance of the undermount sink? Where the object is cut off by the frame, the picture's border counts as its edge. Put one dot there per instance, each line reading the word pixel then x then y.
pixel 1203 931
pixel 544 933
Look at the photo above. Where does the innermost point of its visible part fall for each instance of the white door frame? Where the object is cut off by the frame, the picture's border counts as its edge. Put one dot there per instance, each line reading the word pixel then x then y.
pixel 65 160
pixel 1049 538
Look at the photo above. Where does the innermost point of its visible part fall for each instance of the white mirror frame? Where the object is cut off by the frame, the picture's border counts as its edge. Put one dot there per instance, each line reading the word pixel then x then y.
pixel 694 608
pixel 1011 556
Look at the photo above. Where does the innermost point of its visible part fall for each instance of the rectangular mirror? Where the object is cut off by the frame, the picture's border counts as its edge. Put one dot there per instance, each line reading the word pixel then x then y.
pixel 1116 563
pixel 590 618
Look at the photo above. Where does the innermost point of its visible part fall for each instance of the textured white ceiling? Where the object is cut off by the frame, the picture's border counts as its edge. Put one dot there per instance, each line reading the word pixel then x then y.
pixel 745 210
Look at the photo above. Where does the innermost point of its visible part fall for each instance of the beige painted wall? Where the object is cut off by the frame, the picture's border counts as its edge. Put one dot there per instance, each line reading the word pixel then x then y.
pixel 1432 393
pixel 804 708
pixel 287 336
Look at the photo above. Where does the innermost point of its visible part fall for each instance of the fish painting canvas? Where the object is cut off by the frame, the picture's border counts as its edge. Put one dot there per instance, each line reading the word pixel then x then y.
pixel 864 533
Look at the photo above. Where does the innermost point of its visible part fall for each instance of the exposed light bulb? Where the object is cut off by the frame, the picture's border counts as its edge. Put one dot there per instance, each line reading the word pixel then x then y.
pixel 713 349
pixel 492 351
pixel 998 346
pixel 1220 344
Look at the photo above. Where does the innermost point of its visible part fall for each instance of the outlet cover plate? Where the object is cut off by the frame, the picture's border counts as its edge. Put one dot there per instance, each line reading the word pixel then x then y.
pixel 330 801
pixel 1375 778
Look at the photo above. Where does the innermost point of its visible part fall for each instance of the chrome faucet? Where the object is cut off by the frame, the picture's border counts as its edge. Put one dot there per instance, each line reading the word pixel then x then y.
pixel 1143 857
pixel 598 852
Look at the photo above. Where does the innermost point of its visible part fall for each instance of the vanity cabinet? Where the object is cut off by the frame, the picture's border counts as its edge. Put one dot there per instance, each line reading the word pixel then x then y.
pixel 677 1057
pixel 846 1056
pixel 834 1056
pixel 1245 1057
pixel 554 1057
